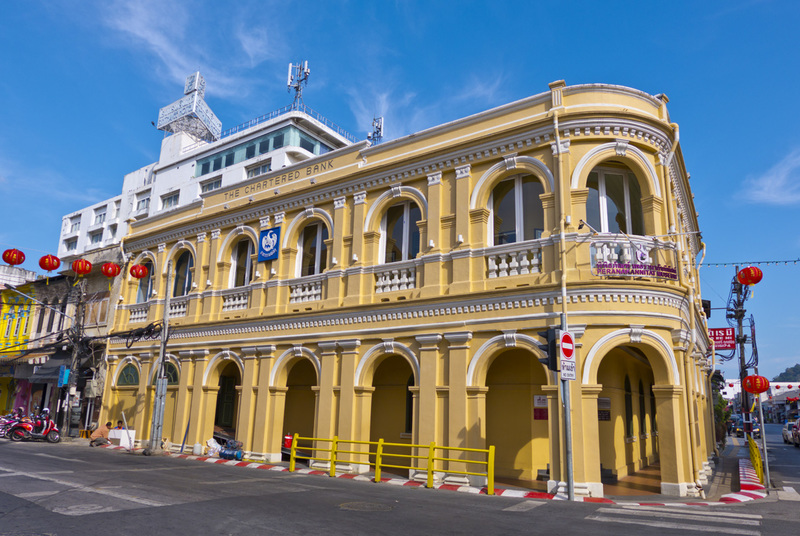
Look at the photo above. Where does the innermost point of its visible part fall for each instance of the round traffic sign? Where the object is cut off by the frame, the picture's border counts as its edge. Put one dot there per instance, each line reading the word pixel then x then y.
pixel 567 345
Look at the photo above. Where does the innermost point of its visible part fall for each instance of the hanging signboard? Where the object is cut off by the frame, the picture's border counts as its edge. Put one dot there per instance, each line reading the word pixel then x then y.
pixel 63 376
pixel 724 338
pixel 268 244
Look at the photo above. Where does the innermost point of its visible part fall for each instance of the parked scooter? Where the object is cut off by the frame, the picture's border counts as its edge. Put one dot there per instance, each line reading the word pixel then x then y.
pixel 7 421
pixel 41 427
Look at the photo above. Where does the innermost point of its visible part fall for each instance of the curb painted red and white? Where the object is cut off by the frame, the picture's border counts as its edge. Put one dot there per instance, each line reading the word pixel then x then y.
pixel 747 477
pixel 750 486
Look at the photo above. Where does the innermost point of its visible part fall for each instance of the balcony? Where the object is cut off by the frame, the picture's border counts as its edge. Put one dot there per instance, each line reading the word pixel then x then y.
pixel 305 289
pixel 235 299
pixel 139 312
pixel 519 258
pixel 178 306
pixel 396 276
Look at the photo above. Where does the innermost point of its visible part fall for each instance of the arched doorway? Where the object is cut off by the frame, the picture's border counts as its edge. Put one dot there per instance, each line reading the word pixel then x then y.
pixel 300 405
pixel 517 418
pixel 391 417
pixel 227 409
pixel 626 423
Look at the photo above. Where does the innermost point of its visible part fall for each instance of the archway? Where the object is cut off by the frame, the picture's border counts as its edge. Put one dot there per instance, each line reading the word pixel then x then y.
pixel 517 418
pixel 626 424
pixel 300 404
pixel 392 413
pixel 227 400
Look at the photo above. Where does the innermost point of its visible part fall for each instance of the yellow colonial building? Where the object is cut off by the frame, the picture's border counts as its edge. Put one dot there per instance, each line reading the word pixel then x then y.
pixel 328 287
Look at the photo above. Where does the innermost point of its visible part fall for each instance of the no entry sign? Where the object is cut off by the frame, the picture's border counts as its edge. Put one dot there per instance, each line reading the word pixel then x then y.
pixel 567 349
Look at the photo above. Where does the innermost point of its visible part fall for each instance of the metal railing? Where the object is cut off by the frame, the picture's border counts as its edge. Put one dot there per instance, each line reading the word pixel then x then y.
pixel 335 452
pixel 285 110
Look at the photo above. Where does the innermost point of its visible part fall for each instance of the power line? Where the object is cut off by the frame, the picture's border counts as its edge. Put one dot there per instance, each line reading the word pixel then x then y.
pixel 748 263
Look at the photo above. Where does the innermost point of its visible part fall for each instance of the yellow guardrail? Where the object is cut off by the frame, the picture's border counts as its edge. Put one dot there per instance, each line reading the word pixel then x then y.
pixel 755 458
pixel 335 452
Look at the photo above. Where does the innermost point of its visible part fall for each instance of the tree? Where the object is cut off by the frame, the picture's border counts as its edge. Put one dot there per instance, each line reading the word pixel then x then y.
pixel 791 374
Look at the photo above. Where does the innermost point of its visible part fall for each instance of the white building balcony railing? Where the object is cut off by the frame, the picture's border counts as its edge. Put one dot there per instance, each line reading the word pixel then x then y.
pixel 519 258
pixel 139 312
pixel 396 276
pixel 305 289
pixel 178 307
pixel 621 249
pixel 235 299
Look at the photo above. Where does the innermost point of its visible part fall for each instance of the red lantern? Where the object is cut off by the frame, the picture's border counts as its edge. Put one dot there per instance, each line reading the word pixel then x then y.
pixel 750 275
pixel 81 266
pixel 755 384
pixel 110 269
pixel 777 387
pixel 730 385
pixel 139 271
pixel 789 387
pixel 13 257
pixel 49 263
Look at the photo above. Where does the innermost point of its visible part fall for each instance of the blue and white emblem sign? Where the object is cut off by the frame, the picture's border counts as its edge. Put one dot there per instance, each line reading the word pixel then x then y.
pixel 268 244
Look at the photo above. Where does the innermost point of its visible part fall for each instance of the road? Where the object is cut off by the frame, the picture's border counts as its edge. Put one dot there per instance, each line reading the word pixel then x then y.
pixel 71 489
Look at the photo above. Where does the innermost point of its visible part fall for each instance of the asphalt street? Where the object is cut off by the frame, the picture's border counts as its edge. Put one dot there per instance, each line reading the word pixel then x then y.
pixel 71 489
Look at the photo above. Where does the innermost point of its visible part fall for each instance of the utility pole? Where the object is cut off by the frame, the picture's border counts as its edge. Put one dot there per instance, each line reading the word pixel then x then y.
pixel 738 315
pixel 77 339
pixel 161 379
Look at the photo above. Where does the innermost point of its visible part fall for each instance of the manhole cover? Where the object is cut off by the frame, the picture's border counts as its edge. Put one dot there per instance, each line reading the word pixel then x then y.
pixel 365 507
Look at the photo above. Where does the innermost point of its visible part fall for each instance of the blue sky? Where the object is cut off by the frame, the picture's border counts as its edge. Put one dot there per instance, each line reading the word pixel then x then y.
pixel 80 83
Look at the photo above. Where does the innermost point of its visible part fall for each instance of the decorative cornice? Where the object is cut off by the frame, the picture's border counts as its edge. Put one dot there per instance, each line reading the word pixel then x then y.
pixel 434 178
pixel 339 202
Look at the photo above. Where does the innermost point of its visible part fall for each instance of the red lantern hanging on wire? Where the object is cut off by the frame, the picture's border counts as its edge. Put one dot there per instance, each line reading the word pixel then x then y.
pixel 13 257
pixel 110 269
pixel 750 275
pixel 730 385
pixel 81 267
pixel 49 263
pixel 755 384
pixel 777 387
pixel 139 271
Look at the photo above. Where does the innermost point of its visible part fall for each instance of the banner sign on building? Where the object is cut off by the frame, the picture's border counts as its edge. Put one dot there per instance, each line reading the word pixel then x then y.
pixel 63 376
pixel 268 244
pixel 724 338
pixel 640 270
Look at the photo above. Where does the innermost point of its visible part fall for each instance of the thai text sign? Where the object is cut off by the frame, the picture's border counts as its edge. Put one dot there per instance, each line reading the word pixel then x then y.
pixel 641 270
pixel 724 338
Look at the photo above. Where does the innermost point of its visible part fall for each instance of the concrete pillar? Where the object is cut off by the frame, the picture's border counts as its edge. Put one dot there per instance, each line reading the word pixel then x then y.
pixel 458 355
pixel 261 423
pixel 327 401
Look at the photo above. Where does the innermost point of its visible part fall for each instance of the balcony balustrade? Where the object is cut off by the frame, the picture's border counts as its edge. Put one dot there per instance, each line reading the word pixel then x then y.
pixel 396 276
pixel 235 299
pixel 519 258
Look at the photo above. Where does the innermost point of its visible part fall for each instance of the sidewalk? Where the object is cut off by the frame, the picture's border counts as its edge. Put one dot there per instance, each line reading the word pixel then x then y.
pixel 732 481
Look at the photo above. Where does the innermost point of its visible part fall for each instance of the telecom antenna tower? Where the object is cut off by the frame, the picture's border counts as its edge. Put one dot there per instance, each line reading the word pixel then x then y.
pixel 298 77
pixel 377 130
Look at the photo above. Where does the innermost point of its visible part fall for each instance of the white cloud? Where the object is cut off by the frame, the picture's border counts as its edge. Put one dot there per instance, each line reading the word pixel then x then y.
pixel 172 32
pixel 779 185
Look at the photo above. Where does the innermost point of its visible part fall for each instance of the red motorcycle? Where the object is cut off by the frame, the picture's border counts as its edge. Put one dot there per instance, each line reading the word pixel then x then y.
pixel 41 427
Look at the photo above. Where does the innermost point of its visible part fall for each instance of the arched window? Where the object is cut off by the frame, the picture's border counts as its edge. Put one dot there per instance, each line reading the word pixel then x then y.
pixel 242 263
pixel 183 274
pixel 129 375
pixel 517 212
pixel 312 253
pixel 401 232
pixel 145 288
pixel 628 408
pixel 615 202
pixel 170 372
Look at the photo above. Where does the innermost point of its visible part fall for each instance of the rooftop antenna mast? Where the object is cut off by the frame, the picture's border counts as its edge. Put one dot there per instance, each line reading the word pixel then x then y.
pixel 298 77
pixel 377 130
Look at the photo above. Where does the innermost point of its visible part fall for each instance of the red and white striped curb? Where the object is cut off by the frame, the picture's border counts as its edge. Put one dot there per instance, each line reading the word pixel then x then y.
pixel 750 485
pixel 500 492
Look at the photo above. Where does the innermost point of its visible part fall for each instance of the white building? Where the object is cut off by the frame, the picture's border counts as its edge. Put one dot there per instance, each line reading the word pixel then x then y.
pixel 197 158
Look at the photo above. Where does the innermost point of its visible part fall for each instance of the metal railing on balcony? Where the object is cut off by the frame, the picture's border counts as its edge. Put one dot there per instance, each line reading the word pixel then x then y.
pixel 294 107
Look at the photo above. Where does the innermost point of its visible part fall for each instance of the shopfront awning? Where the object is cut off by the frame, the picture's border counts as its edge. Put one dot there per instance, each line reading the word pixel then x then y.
pixel 49 371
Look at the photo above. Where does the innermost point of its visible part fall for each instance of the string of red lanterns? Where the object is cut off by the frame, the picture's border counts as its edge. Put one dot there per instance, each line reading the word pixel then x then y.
pixel 81 267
